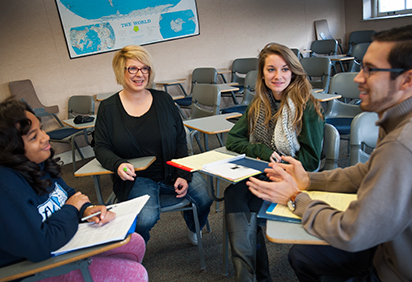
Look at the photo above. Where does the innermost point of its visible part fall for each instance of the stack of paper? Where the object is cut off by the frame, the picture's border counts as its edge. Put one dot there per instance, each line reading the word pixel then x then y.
pixel 340 201
pixel 229 170
pixel 196 162
pixel 91 234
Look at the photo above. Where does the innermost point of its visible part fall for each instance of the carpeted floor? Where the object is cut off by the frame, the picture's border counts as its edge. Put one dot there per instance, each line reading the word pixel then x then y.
pixel 169 255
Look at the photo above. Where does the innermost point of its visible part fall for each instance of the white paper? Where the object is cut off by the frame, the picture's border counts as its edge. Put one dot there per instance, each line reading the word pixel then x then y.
pixel 90 234
pixel 227 169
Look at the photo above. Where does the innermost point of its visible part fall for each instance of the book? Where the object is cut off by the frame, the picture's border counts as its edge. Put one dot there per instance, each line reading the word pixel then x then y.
pixel 227 166
pixel 273 211
pixel 91 234
pixel 196 162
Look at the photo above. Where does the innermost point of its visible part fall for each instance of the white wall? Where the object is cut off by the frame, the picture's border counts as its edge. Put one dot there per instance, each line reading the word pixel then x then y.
pixel 32 44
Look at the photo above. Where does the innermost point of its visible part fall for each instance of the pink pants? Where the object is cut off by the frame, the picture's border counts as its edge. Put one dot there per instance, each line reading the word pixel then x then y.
pixel 120 264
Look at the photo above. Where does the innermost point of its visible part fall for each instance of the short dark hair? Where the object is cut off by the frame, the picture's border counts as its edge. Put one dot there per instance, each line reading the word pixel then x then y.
pixel 13 125
pixel 401 54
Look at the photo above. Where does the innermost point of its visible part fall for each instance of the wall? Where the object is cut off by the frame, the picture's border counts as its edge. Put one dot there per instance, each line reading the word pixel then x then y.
pixel 32 44
pixel 354 19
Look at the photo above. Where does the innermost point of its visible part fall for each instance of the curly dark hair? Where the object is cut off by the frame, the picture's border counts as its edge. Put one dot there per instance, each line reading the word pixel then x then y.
pixel 13 125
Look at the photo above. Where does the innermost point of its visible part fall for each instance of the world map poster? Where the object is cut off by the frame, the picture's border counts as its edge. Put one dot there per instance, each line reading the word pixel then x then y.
pixel 96 26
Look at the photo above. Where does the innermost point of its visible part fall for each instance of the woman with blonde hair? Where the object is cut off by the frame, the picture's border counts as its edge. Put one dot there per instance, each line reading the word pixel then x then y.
pixel 139 121
pixel 282 119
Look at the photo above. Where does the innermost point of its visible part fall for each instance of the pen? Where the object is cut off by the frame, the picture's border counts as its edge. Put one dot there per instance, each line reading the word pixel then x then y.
pixel 94 214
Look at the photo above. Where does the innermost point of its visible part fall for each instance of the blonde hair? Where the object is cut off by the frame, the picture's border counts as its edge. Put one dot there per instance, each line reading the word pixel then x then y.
pixel 298 90
pixel 133 52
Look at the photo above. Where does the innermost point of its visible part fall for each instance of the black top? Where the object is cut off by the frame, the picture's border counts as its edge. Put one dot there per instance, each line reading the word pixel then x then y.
pixel 115 142
pixel 145 130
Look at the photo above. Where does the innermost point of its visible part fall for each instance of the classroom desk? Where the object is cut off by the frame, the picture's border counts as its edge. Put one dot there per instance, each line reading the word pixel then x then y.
pixel 290 233
pixel 324 97
pixel 212 125
pixel 70 122
pixel 74 260
pixel 337 58
pixel 222 72
pixel 102 96
pixel 95 170
pixel 174 82
pixel 229 88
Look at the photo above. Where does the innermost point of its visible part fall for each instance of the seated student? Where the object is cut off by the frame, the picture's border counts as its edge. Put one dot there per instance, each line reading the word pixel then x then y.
pixel 372 239
pixel 39 213
pixel 282 119
pixel 138 122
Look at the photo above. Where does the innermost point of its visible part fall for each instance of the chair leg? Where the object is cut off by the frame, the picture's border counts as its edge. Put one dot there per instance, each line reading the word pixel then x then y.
pixel 225 249
pixel 74 145
pixel 199 241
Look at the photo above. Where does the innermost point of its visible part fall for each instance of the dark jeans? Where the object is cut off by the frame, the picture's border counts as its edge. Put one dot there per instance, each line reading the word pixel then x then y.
pixel 311 262
pixel 150 214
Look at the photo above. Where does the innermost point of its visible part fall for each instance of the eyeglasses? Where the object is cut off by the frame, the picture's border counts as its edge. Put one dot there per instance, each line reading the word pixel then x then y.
pixel 367 70
pixel 134 69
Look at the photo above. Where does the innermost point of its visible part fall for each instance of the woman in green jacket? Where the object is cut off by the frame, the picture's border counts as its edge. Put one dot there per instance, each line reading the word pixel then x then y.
pixel 283 119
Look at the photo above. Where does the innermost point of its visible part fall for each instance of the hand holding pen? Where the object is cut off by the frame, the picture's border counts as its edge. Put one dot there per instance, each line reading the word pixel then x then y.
pixel 98 214
pixel 126 171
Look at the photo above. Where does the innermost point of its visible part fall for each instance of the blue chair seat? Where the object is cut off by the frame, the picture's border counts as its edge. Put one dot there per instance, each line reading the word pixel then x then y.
pixel 185 102
pixel 341 124
pixel 235 109
pixel 61 133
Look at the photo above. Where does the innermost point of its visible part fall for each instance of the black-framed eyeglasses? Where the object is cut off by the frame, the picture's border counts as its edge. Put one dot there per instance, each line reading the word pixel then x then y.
pixel 367 70
pixel 134 69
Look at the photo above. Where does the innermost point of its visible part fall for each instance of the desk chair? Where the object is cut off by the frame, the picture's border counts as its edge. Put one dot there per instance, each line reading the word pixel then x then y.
pixel 318 70
pixel 296 51
pixel 205 102
pixel 240 67
pixel 330 148
pixel 326 47
pixel 199 76
pixel 340 113
pixel 323 33
pixel 24 89
pixel 248 94
pixel 358 52
pixel 80 105
pixel 168 203
pixel 359 36
pixel 363 135
pixel 65 134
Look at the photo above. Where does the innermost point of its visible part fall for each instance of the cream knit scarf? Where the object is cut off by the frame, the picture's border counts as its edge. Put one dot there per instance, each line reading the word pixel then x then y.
pixel 278 135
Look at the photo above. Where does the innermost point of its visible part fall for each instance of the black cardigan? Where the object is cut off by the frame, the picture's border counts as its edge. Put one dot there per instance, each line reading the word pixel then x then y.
pixel 115 143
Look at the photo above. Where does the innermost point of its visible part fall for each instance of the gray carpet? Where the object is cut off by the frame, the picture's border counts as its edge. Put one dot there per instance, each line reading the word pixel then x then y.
pixel 170 257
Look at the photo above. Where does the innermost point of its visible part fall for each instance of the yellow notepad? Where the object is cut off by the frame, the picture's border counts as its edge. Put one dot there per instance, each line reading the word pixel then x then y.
pixel 339 201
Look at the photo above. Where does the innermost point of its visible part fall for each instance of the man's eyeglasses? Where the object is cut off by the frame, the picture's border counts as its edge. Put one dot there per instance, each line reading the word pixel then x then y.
pixel 134 69
pixel 367 70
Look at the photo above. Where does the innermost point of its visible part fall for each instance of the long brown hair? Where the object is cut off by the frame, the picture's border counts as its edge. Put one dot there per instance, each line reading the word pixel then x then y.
pixel 298 90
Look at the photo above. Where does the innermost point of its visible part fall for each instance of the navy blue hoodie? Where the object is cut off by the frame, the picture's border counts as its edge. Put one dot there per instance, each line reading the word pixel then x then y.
pixel 32 226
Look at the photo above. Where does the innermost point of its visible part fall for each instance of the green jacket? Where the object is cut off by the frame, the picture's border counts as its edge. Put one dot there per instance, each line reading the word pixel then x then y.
pixel 310 139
